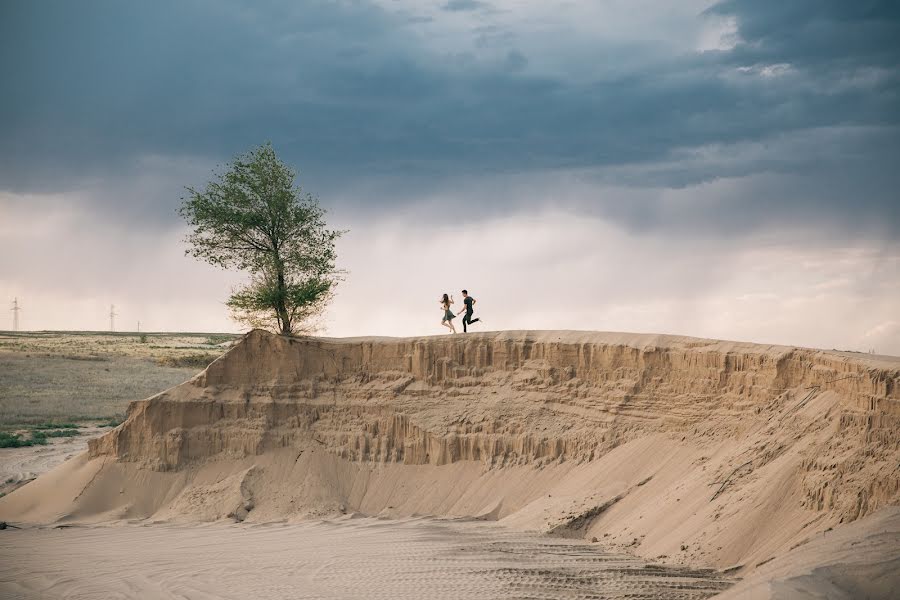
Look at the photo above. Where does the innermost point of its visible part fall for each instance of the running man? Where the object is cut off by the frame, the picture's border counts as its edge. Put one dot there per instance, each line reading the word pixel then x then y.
pixel 469 301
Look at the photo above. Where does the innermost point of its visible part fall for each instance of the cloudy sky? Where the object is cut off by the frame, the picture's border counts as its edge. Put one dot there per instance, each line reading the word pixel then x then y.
pixel 724 169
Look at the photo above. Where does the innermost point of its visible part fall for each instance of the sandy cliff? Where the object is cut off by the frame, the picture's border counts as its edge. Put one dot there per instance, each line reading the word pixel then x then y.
pixel 678 449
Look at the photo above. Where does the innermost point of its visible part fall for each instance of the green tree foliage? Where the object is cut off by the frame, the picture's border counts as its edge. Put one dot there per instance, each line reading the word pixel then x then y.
pixel 253 218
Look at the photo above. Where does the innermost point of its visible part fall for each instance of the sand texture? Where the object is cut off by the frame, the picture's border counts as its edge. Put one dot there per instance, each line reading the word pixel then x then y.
pixel 354 558
pixel 855 561
pixel 684 451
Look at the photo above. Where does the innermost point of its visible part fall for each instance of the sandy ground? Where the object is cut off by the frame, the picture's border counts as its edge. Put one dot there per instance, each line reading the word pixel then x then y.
pixel 348 558
pixel 20 465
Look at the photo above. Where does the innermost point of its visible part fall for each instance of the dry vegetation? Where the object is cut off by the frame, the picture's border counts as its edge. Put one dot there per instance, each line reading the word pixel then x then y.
pixel 73 376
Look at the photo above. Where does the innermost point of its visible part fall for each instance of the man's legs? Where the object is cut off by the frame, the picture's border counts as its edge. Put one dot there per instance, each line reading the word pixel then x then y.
pixel 468 320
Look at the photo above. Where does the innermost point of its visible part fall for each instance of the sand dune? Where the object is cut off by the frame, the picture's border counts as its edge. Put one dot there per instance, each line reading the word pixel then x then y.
pixel 680 450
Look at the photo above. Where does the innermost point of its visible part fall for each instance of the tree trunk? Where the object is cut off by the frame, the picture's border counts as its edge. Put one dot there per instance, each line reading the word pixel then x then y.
pixel 283 316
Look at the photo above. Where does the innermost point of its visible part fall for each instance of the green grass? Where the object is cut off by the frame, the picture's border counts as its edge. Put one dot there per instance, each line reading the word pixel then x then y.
pixel 10 440
pixel 55 426
pixel 15 440
pixel 59 432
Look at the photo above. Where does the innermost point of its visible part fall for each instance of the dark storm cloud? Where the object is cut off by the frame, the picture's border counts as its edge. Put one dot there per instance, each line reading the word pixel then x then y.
pixel 827 35
pixel 348 91
pixel 462 5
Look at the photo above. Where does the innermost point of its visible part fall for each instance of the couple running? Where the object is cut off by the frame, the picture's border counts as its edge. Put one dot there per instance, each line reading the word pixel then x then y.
pixel 447 321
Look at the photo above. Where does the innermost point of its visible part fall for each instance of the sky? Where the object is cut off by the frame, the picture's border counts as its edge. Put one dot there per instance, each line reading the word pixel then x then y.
pixel 723 169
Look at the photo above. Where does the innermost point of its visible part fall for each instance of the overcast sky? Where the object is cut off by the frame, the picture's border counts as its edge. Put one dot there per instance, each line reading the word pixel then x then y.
pixel 720 169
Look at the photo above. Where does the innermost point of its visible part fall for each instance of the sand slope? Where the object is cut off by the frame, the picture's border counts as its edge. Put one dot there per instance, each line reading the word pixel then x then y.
pixel 682 450
pixel 851 562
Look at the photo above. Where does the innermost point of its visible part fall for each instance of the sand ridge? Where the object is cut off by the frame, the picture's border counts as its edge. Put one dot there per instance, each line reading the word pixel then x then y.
pixel 681 450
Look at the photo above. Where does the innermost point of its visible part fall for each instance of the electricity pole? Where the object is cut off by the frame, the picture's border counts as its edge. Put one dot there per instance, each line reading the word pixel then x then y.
pixel 15 311
pixel 112 317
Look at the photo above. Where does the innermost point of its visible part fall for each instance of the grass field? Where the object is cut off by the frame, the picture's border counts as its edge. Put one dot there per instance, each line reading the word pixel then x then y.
pixel 77 377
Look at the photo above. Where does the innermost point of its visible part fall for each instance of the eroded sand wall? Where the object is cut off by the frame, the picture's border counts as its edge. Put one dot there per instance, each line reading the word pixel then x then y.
pixel 509 398
pixel 693 450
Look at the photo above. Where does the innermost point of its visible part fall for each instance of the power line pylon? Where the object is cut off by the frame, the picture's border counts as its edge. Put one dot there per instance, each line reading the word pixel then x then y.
pixel 112 317
pixel 15 310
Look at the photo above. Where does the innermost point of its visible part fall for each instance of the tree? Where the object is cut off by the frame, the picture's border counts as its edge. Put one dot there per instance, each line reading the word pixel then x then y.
pixel 253 218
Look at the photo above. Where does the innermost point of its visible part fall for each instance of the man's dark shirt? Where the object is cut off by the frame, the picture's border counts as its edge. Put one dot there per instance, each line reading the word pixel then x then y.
pixel 468 302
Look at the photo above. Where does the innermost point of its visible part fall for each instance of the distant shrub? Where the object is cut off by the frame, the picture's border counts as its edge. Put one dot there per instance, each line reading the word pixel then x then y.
pixel 113 422
pixel 84 357
pixel 215 340
pixel 55 426
pixel 55 433
pixel 11 440
pixel 14 440
pixel 143 338
pixel 200 361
